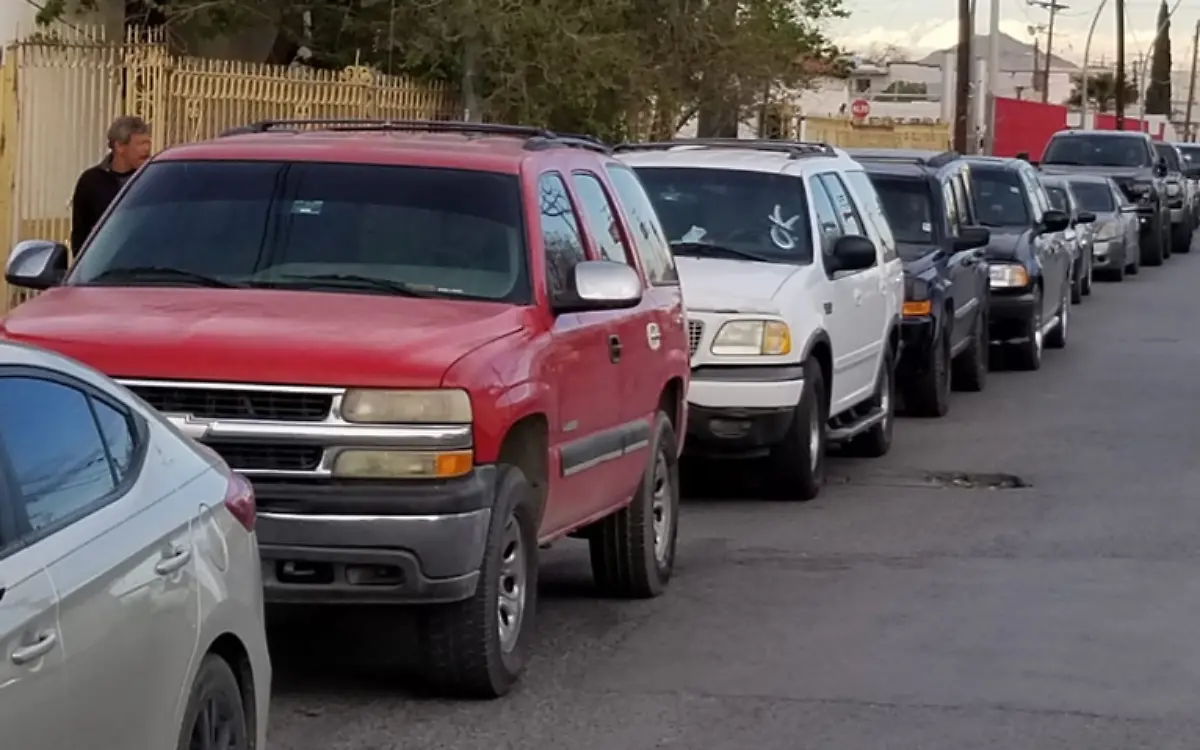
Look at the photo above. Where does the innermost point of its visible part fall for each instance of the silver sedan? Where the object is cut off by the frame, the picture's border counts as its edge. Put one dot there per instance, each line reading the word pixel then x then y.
pixel 1115 245
pixel 131 611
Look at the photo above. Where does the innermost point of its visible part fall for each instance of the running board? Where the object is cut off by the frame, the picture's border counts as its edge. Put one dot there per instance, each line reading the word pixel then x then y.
pixel 1046 328
pixel 842 434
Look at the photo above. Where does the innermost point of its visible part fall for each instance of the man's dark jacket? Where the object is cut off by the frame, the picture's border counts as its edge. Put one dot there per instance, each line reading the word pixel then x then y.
pixel 96 188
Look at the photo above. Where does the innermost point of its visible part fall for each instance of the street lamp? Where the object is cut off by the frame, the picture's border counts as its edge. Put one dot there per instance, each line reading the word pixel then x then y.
pixel 1083 85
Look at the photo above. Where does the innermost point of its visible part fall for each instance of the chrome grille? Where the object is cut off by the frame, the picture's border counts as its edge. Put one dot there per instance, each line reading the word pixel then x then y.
pixel 227 403
pixel 695 333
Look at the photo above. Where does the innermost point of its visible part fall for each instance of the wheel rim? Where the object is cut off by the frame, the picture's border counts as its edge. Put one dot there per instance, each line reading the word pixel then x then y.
pixel 510 611
pixel 1038 336
pixel 814 439
pixel 662 508
pixel 1065 318
pixel 216 726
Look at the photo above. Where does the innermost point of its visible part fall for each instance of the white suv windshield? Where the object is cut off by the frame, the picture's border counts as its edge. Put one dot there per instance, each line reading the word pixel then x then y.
pixel 752 215
pixel 333 227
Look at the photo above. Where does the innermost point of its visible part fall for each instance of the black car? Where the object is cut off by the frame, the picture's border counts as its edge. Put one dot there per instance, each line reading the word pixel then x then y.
pixel 927 198
pixel 1029 260
pixel 1078 235
pixel 1128 158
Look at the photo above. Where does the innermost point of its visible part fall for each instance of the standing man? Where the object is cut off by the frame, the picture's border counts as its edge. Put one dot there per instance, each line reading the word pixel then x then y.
pixel 128 149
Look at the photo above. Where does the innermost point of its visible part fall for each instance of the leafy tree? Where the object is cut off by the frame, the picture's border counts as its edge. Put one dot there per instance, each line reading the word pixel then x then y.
pixel 1102 90
pixel 612 68
pixel 1158 92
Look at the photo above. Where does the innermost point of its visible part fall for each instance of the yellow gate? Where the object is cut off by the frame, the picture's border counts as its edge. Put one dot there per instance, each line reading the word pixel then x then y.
pixel 83 82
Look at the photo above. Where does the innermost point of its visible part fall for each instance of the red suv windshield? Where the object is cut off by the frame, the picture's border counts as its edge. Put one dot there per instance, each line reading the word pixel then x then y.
pixel 334 227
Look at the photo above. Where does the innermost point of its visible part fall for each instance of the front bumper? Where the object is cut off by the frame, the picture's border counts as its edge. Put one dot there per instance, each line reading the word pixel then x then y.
pixel 1010 313
pixel 371 542
pixel 739 410
pixel 1108 255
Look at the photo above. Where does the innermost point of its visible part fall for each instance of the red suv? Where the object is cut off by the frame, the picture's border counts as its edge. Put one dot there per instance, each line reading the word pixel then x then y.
pixel 432 347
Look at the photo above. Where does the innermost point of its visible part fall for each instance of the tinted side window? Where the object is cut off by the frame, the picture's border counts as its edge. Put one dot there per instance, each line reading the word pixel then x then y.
pixel 847 212
pixel 59 458
pixel 601 221
pixel 874 210
pixel 649 239
pixel 953 219
pixel 1037 194
pixel 827 221
pixel 560 233
pixel 962 191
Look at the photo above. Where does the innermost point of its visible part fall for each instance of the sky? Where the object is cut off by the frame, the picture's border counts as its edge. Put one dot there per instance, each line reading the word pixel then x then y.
pixel 935 26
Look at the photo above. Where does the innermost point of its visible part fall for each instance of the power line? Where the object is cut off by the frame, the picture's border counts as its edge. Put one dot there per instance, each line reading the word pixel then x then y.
pixel 1054 7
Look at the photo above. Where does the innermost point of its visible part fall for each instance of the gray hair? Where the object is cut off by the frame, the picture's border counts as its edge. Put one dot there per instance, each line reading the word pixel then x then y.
pixel 125 127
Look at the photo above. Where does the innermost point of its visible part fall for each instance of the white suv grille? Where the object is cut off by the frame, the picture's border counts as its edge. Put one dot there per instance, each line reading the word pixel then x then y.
pixel 695 332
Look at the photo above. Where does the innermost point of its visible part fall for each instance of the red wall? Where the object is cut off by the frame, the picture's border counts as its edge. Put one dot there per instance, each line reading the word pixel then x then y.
pixel 1109 122
pixel 1025 126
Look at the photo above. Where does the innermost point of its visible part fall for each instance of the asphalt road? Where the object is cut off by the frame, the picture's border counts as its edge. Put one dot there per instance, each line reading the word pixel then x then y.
pixel 886 615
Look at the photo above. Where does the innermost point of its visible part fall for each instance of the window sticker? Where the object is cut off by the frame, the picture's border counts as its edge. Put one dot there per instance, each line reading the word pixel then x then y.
pixel 926 227
pixel 695 234
pixel 781 230
pixel 307 208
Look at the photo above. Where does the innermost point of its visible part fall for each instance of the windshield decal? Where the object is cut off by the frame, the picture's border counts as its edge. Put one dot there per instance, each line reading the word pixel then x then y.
pixel 307 208
pixel 695 234
pixel 781 231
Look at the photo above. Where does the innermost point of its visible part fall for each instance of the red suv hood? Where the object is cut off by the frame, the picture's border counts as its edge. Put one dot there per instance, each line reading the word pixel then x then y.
pixel 260 336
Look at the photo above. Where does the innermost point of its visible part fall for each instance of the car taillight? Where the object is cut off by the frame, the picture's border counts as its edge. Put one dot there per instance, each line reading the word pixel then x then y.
pixel 239 499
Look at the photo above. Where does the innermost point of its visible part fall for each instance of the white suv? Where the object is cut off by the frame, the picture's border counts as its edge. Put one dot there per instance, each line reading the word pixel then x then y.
pixel 793 291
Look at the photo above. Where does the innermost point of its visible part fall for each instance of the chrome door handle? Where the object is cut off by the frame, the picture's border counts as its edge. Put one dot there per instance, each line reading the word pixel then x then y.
pixel 858 296
pixel 32 652
pixel 177 560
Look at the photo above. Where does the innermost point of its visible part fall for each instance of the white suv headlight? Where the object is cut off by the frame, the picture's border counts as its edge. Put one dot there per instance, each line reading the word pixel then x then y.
pixel 371 406
pixel 752 338
pixel 1007 275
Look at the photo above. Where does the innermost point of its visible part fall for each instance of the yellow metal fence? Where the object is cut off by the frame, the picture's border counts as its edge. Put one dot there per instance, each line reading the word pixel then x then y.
pixel 82 81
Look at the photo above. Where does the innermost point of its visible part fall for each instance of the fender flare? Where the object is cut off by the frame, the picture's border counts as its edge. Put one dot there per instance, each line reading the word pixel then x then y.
pixel 817 336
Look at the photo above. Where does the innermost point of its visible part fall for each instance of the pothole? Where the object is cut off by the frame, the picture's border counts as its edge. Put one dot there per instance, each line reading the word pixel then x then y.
pixel 958 480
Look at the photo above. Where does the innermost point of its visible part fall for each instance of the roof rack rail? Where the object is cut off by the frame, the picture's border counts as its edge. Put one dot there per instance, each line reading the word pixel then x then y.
pixel 535 137
pixel 794 149
pixel 936 160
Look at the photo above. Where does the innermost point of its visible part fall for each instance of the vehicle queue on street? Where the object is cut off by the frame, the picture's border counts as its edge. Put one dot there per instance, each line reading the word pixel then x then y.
pixel 384 364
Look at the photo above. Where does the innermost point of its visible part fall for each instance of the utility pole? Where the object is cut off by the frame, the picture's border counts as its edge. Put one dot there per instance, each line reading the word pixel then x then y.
pixel 993 79
pixel 1189 132
pixel 1120 92
pixel 1054 7
pixel 962 86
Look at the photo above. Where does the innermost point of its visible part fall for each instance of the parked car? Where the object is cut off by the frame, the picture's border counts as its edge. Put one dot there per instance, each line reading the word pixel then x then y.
pixel 1078 235
pixel 131 607
pixel 431 352
pixel 929 203
pixel 794 296
pixel 1130 159
pixel 1191 168
pixel 1179 197
pixel 1114 244
pixel 1029 260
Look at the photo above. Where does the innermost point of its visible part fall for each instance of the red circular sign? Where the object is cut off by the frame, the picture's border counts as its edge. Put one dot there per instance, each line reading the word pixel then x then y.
pixel 860 108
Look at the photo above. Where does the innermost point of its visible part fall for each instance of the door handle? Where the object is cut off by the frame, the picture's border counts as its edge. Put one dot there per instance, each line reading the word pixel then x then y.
pixel 858 296
pixel 614 349
pixel 34 651
pixel 177 559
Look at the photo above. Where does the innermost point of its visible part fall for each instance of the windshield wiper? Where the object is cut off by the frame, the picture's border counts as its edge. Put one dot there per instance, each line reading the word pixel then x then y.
pixel 162 273
pixel 706 250
pixel 346 281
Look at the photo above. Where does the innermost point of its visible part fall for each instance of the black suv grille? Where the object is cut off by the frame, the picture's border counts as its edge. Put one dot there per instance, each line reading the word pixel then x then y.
pixel 268 457
pixel 221 403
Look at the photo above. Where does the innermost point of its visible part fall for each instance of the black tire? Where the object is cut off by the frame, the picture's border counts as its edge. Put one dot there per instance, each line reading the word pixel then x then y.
pixel 928 395
pixel 797 463
pixel 1028 354
pixel 1152 250
pixel 633 550
pixel 1115 275
pixel 465 655
pixel 1134 266
pixel 1077 284
pixel 969 370
pixel 1181 238
pixel 1057 338
pixel 215 694
pixel 1088 274
pixel 877 441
